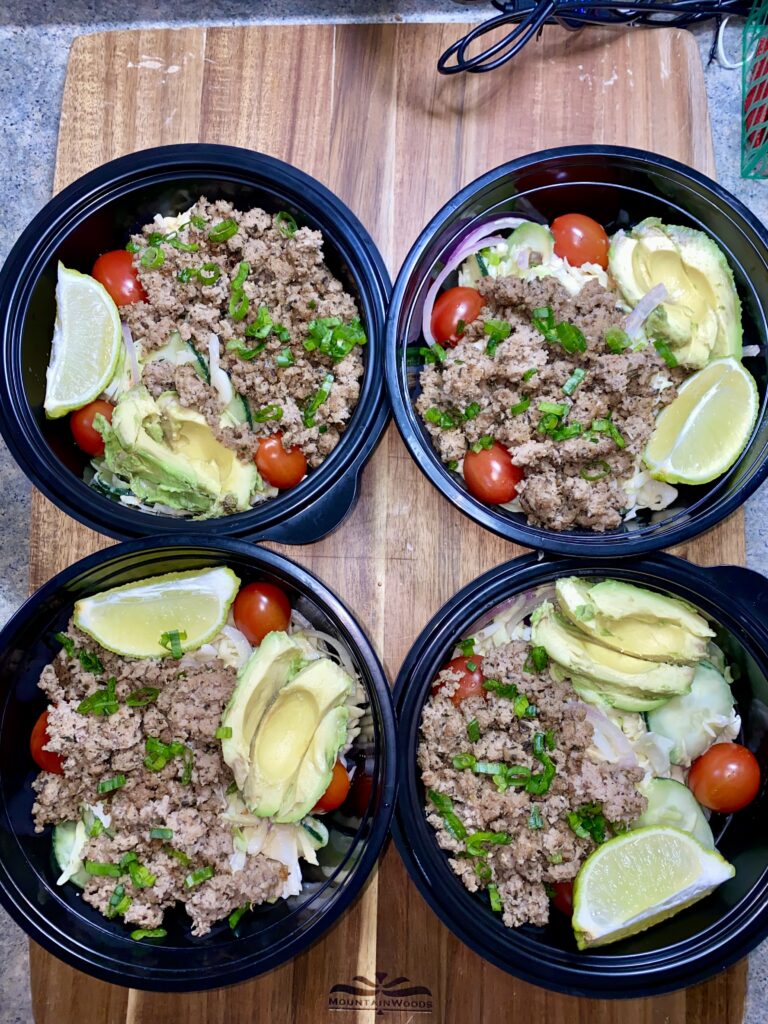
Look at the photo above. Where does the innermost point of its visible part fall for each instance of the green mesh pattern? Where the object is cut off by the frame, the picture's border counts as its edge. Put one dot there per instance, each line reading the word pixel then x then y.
pixel 754 129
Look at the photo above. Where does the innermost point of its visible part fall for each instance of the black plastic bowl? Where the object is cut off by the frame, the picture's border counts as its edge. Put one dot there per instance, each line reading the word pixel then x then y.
pixel 691 946
pixel 97 213
pixel 56 916
pixel 618 187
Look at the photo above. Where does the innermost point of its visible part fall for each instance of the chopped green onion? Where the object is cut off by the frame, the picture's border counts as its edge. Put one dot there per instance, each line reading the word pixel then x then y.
pixel 199 875
pixel 535 820
pixel 606 425
pixel 472 411
pixel 616 340
pixel 555 858
pixel 66 642
pixel 90 662
pixel 521 705
pixel 132 247
pixel 482 265
pixel 571 338
pixel 199 222
pixel 540 783
pixel 268 413
pixel 281 333
pixel 567 431
pixel 109 785
pixel 244 351
pixel 548 424
pixel 549 739
pixel 521 406
pixel 243 270
pixel 159 753
pixel 463 761
pixel 453 465
pixel 444 807
pixel 530 373
pixel 186 274
pixel 148 933
pixel 224 732
pixel 537 660
pixel 285 224
pixel 172 641
pixel 467 646
pixel 543 319
pixel 665 352
pixel 118 901
pixel 435 354
pixel 285 358
pixel 333 338
pixel 128 858
pixel 161 833
pixel 565 334
pixel 484 443
pixel 178 855
pixel 175 242
pixel 595 471
pixel 234 917
pixel 95 867
pixel 239 304
pixel 497 331
pixel 495 898
pixel 461 326
pixel 155 237
pixel 222 231
pixel 141 877
pixel 140 698
pixel 317 400
pixel 506 690
pixel 102 702
pixel 209 273
pixel 473 730
pixel 554 408
pixel 483 869
pixel 231 788
pixel 93 826
pixel 472 666
pixel 574 381
pixel 489 768
pixel 152 258
pixel 477 841
pixel 440 418
pixel 588 822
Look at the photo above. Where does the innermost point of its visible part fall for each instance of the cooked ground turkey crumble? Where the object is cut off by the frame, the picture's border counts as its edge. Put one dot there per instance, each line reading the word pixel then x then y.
pixel 94 748
pixel 536 856
pixel 553 492
pixel 290 279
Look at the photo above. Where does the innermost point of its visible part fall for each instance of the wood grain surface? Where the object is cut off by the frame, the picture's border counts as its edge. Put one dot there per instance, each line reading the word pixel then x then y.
pixel 362 109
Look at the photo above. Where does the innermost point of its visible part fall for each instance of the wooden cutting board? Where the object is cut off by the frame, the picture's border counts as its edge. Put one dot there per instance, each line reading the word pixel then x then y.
pixel 362 109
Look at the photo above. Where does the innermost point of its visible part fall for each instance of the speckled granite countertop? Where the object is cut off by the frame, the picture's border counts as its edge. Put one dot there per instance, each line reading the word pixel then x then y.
pixel 35 36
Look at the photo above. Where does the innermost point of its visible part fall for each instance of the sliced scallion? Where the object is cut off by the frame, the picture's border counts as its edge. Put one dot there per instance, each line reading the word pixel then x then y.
pixel 110 785
pixel 161 833
pixel 140 698
pixel 285 224
pixel 285 358
pixel 198 875
pixel 148 933
pixel 152 257
pixel 595 471
pixel 172 640
pixel 317 400
pixel 222 231
pixel 665 352
pixel 268 413
pixel 100 869
pixel 224 732
pixel 521 406
pixel 444 807
pixel 573 382
pixel 473 730
pixel 495 898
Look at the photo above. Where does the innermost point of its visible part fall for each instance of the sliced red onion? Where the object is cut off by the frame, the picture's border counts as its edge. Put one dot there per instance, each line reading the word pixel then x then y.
pixel 634 322
pixel 479 238
pixel 130 349
pixel 219 378
pixel 608 738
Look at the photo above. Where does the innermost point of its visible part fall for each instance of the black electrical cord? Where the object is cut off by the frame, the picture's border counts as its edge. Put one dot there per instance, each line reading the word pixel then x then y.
pixel 529 16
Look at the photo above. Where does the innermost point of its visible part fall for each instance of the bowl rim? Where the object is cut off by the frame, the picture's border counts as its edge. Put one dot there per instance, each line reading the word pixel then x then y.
pixel 134 973
pixel 299 515
pixel 599 974
pixel 586 544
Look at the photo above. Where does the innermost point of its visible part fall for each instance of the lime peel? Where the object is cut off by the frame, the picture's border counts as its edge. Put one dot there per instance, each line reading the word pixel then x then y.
pixel 131 619
pixel 639 879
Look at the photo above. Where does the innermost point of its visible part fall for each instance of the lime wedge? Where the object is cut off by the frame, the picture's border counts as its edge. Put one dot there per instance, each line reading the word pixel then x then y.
pixel 131 620
pixel 704 430
pixel 87 339
pixel 640 878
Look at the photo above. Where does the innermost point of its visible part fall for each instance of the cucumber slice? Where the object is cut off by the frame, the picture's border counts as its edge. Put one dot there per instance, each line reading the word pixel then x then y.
pixel 673 804
pixel 318 833
pixel 690 720
pixel 69 841
pixel 535 237
pixel 237 412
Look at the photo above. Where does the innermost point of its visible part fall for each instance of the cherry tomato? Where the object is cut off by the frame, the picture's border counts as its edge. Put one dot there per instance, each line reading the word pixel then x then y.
pixel 261 608
pixel 337 790
pixel 580 239
pixel 81 424
pixel 563 897
pixel 360 792
pixel 491 475
pixel 45 759
pixel 115 270
pixel 452 308
pixel 725 778
pixel 280 467
pixel 472 678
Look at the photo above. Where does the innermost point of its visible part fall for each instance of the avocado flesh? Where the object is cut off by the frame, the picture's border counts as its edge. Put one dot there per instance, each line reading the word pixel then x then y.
pixel 701 317
pixel 594 692
pixel 169 454
pixel 613 670
pixel 615 599
pixel 316 768
pixel 287 731
pixel 650 639
pixel 259 681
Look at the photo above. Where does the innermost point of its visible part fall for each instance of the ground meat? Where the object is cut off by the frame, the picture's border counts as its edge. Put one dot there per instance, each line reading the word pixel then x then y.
pixel 187 709
pixel 287 280
pixel 553 493
pixel 535 856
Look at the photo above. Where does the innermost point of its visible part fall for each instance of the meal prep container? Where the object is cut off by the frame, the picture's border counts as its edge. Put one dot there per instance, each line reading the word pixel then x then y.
pixel 56 916
pixel 618 187
pixel 699 941
pixel 97 213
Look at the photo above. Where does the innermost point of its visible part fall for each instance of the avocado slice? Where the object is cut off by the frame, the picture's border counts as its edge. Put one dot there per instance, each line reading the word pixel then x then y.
pixel 266 672
pixel 581 656
pixel 615 599
pixel 601 695
pixel 287 731
pixel 639 635
pixel 316 768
